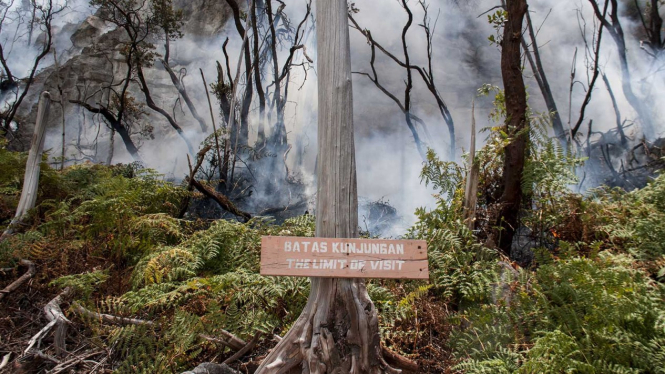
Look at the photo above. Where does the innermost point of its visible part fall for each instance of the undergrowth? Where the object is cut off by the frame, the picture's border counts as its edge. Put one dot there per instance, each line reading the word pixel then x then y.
pixel 591 301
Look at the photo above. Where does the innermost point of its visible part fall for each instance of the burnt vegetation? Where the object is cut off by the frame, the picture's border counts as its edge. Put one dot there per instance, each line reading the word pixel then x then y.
pixel 546 239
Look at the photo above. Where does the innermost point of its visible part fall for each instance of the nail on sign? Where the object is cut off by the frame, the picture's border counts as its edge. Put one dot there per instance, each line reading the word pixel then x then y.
pixel 344 258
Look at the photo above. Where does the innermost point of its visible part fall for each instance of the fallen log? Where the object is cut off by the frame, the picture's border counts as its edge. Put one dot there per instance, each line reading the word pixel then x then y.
pixel 63 366
pixel 220 199
pixel 24 278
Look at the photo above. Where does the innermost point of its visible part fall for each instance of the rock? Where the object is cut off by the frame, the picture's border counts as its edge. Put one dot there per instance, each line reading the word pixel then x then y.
pixel 204 18
pixel 88 31
pixel 211 368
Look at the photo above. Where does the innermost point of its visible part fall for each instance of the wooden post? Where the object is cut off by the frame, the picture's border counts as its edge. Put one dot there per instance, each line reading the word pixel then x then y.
pixel 337 332
pixel 32 167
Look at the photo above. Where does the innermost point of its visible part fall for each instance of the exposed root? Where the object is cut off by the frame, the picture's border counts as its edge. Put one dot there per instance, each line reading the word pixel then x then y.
pixel 337 332
pixel 56 319
pixel 107 318
pixel 400 362
pixel 24 278
pixel 65 365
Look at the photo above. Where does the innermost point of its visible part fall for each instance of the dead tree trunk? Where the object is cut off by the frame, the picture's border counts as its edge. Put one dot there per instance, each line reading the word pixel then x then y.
pixel 516 122
pixel 472 176
pixel 338 330
pixel 32 167
pixel 615 29
pixel 541 78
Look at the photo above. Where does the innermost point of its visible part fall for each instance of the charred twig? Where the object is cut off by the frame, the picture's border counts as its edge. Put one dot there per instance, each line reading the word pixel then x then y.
pixel 192 172
pixel 24 278
pixel 594 77
pixel 275 210
pixel 248 347
pixel 107 318
pixel 222 176
pixel 231 340
pixel 617 113
pixel 63 366
pixel 222 200
pixel 426 73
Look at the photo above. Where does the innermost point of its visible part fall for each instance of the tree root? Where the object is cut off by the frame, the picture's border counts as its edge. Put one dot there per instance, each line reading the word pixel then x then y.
pixel 337 332
pixel 245 349
pixel 56 319
pixel 24 278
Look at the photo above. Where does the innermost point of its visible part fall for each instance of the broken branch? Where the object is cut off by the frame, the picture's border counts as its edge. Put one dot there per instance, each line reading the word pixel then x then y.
pixel 24 278
pixel 222 200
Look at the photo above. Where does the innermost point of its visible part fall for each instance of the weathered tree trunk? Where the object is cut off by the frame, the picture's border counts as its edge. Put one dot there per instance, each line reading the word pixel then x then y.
pixel 514 153
pixel 473 174
pixel 32 167
pixel 338 330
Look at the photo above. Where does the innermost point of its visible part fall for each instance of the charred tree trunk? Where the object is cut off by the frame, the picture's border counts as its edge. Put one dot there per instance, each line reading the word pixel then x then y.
pixel 338 330
pixel 615 29
pixel 261 137
pixel 516 122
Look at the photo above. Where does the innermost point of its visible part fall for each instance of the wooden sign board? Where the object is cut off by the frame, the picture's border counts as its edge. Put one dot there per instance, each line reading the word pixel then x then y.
pixel 343 258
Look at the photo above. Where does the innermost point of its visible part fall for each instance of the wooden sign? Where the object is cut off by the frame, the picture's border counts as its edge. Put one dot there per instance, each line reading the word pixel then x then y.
pixel 343 258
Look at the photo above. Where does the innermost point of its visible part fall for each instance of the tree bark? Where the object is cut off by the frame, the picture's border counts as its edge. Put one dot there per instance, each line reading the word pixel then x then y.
pixel 338 330
pixel 516 122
